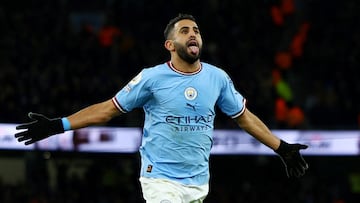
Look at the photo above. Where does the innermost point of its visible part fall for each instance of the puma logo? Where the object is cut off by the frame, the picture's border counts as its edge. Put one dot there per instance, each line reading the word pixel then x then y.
pixel 191 106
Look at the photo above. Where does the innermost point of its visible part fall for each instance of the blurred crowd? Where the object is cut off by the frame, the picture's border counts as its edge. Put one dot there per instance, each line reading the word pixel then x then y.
pixel 295 61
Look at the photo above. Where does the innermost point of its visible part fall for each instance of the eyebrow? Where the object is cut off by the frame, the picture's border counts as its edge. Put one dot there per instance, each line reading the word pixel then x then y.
pixel 187 27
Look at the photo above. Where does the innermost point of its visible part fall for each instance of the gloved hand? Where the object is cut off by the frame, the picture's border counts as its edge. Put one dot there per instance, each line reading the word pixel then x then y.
pixel 295 165
pixel 40 128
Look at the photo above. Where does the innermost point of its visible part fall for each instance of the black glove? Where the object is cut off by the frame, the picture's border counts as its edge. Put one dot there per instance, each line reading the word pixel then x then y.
pixel 295 164
pixel 40 128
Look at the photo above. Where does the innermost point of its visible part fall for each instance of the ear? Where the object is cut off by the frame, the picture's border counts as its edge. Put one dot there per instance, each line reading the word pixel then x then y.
pixel 169 45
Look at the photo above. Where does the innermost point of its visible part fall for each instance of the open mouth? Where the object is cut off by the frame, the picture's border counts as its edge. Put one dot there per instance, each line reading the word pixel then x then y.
pixel 193 46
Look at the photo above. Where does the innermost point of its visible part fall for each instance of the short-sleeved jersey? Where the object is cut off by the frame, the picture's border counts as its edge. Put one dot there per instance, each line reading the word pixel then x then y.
pixel 179 118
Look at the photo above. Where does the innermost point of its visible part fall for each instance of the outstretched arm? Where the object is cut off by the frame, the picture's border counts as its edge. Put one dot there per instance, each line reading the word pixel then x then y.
pixel 255 127
pixel 95 114
pixel 42 127
pixel 295 165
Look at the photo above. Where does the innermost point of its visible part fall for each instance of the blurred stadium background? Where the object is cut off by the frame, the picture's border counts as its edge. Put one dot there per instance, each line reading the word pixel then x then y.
pixel 296 61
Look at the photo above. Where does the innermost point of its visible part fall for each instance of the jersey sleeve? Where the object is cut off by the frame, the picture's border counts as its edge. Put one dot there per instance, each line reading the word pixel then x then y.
pixel 133 95
pixel 230 101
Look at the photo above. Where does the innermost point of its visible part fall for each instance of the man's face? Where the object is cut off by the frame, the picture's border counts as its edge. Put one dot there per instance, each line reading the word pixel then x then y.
pixel 187 40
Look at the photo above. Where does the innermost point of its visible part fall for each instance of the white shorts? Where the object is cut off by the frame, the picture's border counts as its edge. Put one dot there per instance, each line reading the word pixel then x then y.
pixel 167 191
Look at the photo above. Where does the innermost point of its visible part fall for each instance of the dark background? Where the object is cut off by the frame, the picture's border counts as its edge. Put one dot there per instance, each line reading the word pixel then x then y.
pixel 54 60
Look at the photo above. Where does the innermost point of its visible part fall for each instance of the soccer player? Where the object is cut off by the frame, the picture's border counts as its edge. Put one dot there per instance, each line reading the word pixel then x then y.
pixel 179 99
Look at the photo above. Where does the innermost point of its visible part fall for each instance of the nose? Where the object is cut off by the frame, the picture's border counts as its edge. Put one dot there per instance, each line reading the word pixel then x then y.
pixel 192 35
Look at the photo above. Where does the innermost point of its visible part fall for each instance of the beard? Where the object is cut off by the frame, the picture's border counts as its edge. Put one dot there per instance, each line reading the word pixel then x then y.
pixel 182 52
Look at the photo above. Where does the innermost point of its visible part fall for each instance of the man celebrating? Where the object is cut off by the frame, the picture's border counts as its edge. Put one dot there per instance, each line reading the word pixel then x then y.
pixel 179 99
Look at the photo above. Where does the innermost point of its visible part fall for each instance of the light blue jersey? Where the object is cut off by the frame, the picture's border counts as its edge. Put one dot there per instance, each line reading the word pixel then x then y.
pixel 179 118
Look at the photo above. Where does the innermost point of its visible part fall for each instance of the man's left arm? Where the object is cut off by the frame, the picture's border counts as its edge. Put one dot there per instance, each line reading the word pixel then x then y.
pixel 256 128
pixel 294 163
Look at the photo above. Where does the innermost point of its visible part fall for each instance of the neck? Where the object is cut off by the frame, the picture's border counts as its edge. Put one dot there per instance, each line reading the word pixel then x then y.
pixel 184 66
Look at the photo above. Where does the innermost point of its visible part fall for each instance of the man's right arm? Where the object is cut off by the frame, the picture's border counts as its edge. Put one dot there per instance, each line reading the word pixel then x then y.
pixel 95 114
pixel 42 127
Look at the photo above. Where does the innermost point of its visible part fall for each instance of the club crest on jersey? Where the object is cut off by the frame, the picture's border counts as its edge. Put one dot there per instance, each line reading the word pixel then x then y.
pixel 190 93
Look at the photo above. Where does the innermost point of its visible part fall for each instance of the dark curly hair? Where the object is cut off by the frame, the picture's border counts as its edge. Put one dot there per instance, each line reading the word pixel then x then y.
pixel 172 22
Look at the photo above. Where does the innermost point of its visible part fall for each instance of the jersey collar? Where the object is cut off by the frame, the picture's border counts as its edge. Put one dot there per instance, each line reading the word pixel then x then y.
pixel 171 66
